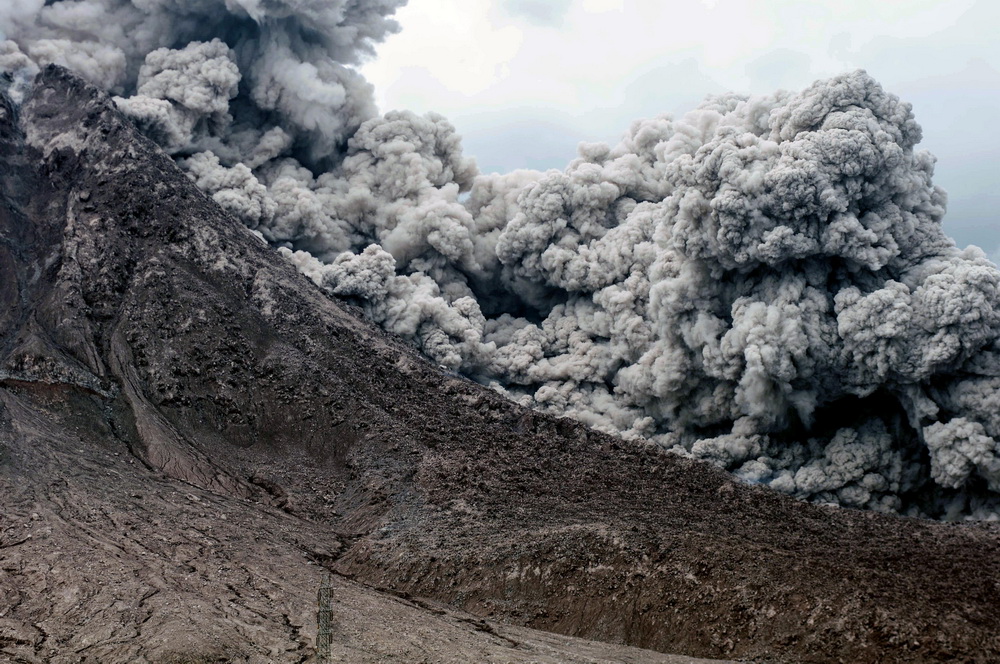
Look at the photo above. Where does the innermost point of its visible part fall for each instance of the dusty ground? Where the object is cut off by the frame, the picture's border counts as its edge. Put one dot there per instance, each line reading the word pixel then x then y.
pixel 190 432
pixel 106 561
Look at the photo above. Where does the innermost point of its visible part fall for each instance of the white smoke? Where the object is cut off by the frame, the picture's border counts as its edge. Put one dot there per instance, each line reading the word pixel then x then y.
pixel 762 283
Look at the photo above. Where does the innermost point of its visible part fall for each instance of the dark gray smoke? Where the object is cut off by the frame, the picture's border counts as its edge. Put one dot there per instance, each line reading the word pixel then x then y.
pixel 218 74
pixel 762 283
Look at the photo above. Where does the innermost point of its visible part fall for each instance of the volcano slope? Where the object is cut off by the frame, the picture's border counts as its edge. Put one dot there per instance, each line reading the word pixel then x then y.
pixel 190 431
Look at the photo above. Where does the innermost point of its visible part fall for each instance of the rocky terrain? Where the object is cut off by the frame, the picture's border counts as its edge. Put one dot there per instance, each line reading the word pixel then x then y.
pixel 190 432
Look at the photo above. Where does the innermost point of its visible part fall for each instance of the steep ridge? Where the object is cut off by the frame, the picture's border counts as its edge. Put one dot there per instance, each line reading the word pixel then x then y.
pixel 121 537
pixel 190 429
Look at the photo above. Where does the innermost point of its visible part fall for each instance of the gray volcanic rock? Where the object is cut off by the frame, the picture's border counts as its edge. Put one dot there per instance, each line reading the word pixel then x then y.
pixel 190 431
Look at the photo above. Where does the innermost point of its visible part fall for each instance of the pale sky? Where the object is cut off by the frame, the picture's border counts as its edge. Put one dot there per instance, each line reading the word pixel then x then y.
pixel 524 81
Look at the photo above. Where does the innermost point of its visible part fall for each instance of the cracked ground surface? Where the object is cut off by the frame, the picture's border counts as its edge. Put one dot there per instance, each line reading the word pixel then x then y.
pixel 191 433
pixel 104 560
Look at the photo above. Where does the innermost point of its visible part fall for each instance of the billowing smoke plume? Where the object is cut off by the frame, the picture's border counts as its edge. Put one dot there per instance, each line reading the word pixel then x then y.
pixel 762 283
pixel 243 78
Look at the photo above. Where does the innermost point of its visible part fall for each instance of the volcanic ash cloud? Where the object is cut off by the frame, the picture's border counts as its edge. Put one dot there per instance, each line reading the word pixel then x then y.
pixel 762 283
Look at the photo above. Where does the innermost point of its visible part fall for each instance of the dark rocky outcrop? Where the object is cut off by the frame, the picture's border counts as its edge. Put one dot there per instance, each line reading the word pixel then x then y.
pixel 190 431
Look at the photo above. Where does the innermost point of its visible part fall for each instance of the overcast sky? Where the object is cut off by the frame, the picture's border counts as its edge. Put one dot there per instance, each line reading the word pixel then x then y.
pixel 526 80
